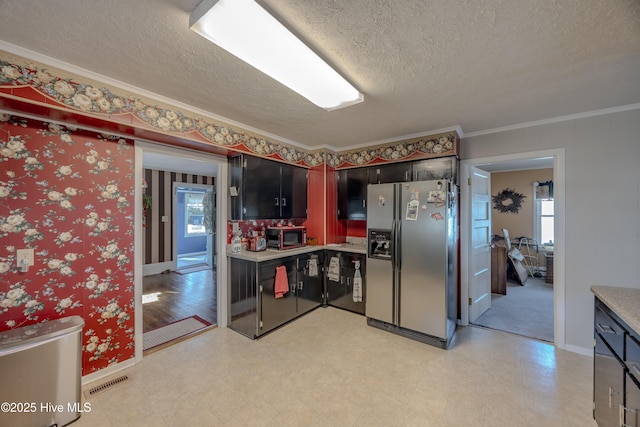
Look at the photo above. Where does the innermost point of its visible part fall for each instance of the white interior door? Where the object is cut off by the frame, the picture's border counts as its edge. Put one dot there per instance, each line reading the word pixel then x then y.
pixel 480 248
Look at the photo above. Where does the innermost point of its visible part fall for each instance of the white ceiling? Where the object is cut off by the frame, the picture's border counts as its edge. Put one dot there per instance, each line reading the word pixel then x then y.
pixel 423 66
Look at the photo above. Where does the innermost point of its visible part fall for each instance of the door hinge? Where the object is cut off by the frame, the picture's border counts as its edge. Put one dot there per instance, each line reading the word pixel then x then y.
pixel 468 181
pixel 261 290
pixel 261 324
pixel 470 301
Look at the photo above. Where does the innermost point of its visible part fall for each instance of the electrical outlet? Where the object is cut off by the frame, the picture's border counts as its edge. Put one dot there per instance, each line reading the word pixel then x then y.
pixel 25 254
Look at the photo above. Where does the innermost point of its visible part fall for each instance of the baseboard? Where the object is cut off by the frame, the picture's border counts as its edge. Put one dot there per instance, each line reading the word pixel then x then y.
pixel 107 372
pixel 579 350
pixel 157 268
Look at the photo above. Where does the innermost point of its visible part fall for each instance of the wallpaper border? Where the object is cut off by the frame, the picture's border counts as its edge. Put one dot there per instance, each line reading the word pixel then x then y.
pixel 37 84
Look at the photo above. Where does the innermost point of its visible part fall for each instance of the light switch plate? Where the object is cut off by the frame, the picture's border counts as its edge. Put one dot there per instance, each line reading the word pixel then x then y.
pixel 25 254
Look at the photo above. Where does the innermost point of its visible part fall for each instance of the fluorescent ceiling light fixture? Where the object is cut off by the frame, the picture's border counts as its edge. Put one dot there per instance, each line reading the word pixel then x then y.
pixel 245 29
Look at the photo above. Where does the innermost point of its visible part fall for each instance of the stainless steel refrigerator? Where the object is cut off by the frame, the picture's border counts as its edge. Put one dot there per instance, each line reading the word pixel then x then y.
pixel 412 265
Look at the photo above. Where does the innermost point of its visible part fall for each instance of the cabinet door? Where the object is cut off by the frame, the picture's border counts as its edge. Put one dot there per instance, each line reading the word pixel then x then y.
pixel 235 180
pixel 632 406
pixel 608 384
pixel 343 195
pixel 356 192
pixel 277 311
pixel 243 291
pixel 395 172
pixel 293 195
pixel 341 293
pixel 335 287
pixel 261 188
pixel 427 170
pixel 309 282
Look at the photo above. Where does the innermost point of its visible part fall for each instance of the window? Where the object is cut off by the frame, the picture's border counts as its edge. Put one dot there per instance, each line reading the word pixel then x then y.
pixel 194 214
pixel 544 212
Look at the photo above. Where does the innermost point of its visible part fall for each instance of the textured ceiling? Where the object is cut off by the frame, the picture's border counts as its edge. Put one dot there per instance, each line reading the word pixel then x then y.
pixel 422 65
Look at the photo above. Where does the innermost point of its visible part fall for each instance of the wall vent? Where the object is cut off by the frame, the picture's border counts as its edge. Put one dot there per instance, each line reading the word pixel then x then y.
pixel 105 386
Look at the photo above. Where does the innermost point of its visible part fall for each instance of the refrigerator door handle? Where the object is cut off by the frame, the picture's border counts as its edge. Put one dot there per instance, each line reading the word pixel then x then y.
pixel 393 246
pixel 397 248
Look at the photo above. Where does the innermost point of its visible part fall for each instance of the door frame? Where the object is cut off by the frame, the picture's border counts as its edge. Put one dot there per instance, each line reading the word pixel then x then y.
pixel 142 147
pixel 559 301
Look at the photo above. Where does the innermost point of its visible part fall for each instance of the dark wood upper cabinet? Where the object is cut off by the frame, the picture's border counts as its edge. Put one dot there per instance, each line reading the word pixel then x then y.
pixel 394 172
pixel 352 193
pixel 266 189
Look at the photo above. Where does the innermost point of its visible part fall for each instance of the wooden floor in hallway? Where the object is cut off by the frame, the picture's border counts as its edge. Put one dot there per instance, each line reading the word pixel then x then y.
pixel 170 297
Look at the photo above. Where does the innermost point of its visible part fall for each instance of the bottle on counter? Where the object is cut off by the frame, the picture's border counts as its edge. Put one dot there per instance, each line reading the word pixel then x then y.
pixel 236 243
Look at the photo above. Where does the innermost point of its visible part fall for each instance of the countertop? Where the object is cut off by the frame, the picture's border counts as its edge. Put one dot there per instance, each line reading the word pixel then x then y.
pixel 625 302
pixel 271 254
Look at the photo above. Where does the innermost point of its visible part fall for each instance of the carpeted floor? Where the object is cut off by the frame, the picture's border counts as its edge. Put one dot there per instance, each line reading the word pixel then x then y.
pixel 525 310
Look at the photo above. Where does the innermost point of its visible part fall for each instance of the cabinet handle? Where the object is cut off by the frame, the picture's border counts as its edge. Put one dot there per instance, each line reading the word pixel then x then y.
pixel 606 329
pixel 348 281
pixel 613 391
pixel 284 201
pixel 300 285
pixel 621 410
pixel 364 203
pixel 277 201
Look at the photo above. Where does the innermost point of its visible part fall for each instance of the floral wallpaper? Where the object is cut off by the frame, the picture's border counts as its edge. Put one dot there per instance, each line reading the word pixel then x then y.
pixel 68 194
pixel 97 100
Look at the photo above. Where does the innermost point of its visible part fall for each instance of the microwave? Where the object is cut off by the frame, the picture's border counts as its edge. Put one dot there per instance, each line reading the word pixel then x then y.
pixel 286 237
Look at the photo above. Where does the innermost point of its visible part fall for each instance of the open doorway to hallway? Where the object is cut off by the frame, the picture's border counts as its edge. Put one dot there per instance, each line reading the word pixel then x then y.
pixel 523 305
pixel 179 281
pixel 522 298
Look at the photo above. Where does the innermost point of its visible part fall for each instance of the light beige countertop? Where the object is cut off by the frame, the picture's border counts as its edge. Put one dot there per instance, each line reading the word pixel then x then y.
pixel 271 254
pixel 347 247
pixel 625 302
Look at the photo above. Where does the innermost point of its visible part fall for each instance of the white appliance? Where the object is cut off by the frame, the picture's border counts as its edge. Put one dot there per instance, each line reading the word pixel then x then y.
pixel 412 264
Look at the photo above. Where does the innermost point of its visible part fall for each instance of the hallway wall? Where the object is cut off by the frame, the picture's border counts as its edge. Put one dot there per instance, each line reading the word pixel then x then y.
pixel 158 235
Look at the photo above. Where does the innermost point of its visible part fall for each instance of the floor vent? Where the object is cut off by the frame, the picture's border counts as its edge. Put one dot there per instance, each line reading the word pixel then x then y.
pixel 105 386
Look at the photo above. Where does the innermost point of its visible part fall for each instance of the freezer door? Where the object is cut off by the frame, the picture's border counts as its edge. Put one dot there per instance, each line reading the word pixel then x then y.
pixel 423 246
pixel 380 205
pixel 380 301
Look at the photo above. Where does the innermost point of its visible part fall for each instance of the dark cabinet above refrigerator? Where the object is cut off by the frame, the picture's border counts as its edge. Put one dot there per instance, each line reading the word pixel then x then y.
pixel 352 183
pixel 393 172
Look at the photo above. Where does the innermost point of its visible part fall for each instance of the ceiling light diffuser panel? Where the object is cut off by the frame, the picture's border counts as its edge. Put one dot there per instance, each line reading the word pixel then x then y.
pixel 246 30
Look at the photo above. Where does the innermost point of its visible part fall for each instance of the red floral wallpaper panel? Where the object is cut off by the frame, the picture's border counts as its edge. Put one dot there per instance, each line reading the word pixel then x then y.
pixel 68 194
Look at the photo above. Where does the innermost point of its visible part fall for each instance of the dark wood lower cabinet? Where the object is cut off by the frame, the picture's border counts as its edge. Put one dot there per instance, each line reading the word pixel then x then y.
pixel 254 308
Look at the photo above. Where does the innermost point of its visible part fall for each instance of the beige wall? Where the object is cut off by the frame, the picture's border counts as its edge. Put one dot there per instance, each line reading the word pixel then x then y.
pixel 521 223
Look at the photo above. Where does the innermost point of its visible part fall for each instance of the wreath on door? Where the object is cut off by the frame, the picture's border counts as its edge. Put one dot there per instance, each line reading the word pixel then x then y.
pixel 508 201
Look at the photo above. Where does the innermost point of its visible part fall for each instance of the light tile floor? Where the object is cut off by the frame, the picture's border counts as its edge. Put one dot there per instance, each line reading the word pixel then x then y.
pixel 329 368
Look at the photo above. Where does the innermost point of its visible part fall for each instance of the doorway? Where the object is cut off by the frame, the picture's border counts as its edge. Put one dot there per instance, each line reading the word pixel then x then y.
pixel 159 280
pixel 194 228
pixel 534 160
